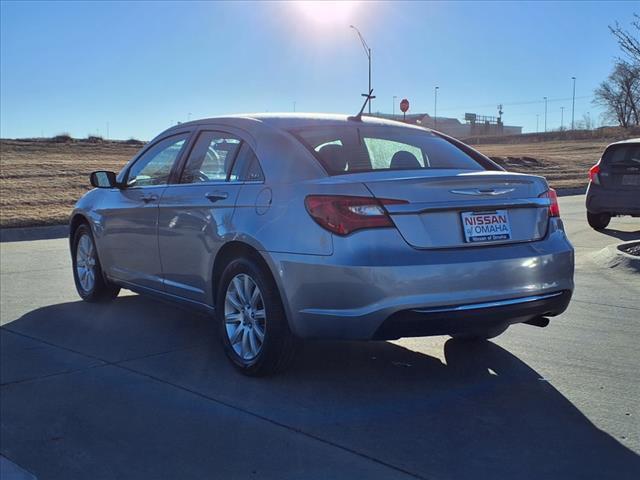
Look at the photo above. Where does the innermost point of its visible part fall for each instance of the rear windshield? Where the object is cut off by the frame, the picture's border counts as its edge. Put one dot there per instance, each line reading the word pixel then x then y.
pixel 623 154
pixel 362 148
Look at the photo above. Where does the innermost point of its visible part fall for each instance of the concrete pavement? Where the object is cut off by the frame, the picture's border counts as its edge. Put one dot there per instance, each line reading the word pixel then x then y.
pixel 141 389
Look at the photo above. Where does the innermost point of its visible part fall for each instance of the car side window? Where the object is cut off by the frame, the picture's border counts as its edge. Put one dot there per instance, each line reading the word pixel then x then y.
pixel 154 166
pixel 247 168
pixel 211 158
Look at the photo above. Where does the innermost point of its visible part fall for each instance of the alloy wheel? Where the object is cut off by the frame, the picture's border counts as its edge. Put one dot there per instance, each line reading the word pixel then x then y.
pixel 86 263
pixel 245 317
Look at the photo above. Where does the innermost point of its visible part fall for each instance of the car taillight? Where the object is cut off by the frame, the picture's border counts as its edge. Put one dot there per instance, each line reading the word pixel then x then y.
pixel 554 207
pixel 342 214
pixel 594 176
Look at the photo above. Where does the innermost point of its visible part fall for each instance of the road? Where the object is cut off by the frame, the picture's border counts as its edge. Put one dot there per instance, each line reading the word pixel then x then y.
pixel 141 389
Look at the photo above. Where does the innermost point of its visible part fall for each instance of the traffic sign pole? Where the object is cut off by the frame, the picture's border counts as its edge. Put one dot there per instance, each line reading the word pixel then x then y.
pixel 404 107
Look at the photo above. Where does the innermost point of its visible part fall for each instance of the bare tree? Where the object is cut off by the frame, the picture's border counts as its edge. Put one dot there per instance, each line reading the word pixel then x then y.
pixel 629 40
pixel 620 94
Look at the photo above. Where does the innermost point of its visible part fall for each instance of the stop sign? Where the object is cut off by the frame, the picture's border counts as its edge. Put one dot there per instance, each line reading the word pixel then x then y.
pixel 404 105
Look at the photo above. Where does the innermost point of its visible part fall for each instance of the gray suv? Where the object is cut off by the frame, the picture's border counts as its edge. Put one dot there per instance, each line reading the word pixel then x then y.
pixel 287 227
pixel 614 184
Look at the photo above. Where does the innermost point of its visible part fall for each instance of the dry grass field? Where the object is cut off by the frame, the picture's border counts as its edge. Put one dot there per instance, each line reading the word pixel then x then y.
pixel 40 181
pixel 564 163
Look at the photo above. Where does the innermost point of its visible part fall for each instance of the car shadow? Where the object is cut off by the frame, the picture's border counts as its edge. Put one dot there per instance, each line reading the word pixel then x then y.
pixel 480 412
pixel 622 235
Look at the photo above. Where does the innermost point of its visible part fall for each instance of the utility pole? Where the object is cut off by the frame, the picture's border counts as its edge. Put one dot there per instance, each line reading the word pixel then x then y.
pixel 394 106
pixel 435 108
pixel 294 105
pixel 573 103
pixel 545 114
pixel 561 118
pixel 367 52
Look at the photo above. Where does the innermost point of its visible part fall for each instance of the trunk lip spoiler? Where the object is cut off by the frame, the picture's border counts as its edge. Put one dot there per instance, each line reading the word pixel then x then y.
pixel 482 191
pixel 475 204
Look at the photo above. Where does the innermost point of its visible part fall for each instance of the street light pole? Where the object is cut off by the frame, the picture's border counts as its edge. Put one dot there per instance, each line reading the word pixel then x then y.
pixel 545 114
pixel 573 103
pixel 394 106
pixel 367 52
pixel 435 108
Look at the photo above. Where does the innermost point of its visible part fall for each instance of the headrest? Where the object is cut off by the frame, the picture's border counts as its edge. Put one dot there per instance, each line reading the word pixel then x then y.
pixel 334 157
pixel 404 159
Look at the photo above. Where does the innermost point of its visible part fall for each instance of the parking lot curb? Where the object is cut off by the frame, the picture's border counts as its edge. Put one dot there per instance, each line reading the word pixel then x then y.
pixel 22 234
pixel 612 256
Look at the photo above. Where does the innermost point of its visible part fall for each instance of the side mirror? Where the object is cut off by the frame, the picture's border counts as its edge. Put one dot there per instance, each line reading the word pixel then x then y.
pixel 103 179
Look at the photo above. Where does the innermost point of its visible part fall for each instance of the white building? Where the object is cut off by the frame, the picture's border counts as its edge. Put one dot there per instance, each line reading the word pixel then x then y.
pixel 454 127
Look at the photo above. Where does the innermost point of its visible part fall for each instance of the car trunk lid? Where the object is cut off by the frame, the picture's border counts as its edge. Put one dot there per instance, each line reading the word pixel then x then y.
pixel 453 208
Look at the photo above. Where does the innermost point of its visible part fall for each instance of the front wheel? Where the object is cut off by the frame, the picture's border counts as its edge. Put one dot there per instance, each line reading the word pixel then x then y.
pixel 87 271
pixel 598 221
pixel 251 319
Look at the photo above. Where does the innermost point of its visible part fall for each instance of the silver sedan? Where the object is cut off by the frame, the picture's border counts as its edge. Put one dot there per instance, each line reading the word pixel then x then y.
pixel 286 227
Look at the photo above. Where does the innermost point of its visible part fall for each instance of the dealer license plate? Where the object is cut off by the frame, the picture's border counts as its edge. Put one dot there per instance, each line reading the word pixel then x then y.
pixel 486 226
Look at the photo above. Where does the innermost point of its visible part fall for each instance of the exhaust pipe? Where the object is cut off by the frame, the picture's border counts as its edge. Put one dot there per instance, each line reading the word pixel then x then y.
pixel 538 322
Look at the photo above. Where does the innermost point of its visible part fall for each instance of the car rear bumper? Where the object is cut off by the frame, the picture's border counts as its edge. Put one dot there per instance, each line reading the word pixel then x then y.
pixel 472 317
pixel 610 200
pixel 353 295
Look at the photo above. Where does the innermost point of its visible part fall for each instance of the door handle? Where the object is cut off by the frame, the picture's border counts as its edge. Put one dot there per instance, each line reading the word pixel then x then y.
pixel 149 198
pixel 215 196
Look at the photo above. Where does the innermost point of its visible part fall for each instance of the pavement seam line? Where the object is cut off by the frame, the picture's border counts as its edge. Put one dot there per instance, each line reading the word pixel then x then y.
pixel 103 363
pixel 17 464
pixel 16 272
pixel 274 422
pixel 43 377
pixel 4 327
pixel 604 304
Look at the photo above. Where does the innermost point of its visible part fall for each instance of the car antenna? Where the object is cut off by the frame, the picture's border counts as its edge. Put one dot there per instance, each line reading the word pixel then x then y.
pixel 369 96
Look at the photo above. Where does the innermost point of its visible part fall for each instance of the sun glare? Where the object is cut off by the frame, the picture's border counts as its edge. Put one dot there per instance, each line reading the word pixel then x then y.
pixel 327 12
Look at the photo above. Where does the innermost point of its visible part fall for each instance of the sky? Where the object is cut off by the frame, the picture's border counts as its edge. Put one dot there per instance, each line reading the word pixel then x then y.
pixel 132 69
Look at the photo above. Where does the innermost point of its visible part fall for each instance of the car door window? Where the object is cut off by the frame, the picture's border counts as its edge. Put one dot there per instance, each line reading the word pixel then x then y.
pixel 211 158
pixel 154 166
pixel 247 167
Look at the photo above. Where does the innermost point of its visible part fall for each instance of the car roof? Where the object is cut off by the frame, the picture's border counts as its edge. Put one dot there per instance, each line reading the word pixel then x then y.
pixel 629 140
pixel 289 121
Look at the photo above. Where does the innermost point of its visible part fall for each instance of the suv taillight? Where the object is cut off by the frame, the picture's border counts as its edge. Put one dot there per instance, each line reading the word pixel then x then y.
pixel 554 207
pixel 342 214
pixel 594 172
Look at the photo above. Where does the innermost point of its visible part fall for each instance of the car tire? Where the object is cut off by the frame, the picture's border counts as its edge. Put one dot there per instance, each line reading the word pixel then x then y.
pixel 480 335
pixel 598 221
pixel 87 271
pixel 244 324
